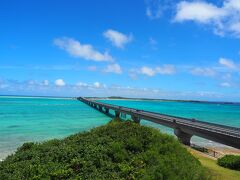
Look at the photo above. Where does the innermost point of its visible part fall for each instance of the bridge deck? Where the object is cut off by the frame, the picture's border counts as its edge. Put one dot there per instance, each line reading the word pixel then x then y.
pixel 212 131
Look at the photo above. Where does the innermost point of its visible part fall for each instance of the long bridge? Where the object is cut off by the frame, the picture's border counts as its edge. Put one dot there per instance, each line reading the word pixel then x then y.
pixel 184 128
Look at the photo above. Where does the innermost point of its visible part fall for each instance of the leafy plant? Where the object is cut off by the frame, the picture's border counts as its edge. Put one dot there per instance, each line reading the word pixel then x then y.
pixel 118 150
pixel 230 161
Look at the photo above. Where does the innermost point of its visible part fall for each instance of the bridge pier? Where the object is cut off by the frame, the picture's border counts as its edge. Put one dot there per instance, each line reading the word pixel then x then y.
pixel 183 137
pixel 106 110
pixel 184 128
pixel 100 108
pixel 117 114
pixel 136 119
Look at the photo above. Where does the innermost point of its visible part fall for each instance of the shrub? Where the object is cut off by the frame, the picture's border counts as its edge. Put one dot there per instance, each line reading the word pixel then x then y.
pixel 230 161
pixel 118 150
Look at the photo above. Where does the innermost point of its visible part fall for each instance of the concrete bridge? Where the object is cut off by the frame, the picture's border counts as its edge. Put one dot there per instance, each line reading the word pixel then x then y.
pixel 184 128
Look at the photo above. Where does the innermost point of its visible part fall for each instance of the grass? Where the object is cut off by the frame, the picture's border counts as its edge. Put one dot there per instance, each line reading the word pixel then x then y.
pixel 216 171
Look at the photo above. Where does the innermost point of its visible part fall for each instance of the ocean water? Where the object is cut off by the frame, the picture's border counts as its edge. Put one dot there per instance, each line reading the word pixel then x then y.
pixel 38 119
pixel 225 114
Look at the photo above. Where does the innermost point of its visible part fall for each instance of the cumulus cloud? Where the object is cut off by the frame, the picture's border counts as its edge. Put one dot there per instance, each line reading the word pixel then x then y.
pixel 164 70
pixel 228 63
pixel 60 82
pixel 203 71
pixel 198 11
pixel 85 51
pixel 117 38
pixel 223 19
pixel 113 68
pixel 147 71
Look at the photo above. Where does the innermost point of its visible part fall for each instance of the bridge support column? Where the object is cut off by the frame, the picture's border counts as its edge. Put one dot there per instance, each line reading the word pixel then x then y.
pixel 117 114
pixel 106 110
pixel 183 137
pixel 136 119
pixel 100 108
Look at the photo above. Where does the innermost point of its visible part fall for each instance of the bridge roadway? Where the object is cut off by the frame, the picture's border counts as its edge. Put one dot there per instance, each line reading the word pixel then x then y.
pixel 184 128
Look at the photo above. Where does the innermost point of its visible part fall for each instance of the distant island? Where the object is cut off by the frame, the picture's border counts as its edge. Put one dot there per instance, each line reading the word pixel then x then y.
pixel 159 99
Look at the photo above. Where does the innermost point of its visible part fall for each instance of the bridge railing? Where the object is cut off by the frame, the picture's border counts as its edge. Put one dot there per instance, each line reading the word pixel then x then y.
pixel 184 128
pixel 232 131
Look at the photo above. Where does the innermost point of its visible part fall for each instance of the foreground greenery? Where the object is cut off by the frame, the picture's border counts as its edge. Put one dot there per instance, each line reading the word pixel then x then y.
pixel 118 150
pixel 230 161
pixel 217 172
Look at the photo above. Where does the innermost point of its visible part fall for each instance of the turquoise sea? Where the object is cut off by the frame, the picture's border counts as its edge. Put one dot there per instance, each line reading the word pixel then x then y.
pixel 24 119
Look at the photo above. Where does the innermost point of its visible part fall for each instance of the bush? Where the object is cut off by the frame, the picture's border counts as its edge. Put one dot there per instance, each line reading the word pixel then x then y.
pixel 230 161
pixel 118 150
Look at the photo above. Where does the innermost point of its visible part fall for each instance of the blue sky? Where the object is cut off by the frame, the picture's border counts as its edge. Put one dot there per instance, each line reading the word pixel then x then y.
pixel 140 48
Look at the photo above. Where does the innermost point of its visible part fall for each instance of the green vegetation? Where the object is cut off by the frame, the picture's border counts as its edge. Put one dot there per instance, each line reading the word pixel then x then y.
pixel 118 150
pixel 230 161
pixel 217 172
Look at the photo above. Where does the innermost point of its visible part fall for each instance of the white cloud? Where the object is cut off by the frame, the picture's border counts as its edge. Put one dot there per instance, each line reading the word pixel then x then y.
pixel 60 82
pixel 198 11
pixel 101 90
pixel 235 28
pixel 45 82
pixel 153 14
pixel 118 39
pixel 81 84
pixel 97 84
pixel 164 70
pixel 32 82
pixel 155 8
pixel 227 63
pixel 203 71
pixel 223 19
pixel 232 4
pixel 93 86
pixel 2 85
pixel 225 84
pixel 147 71
pixel 85 51
pixel 113 68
